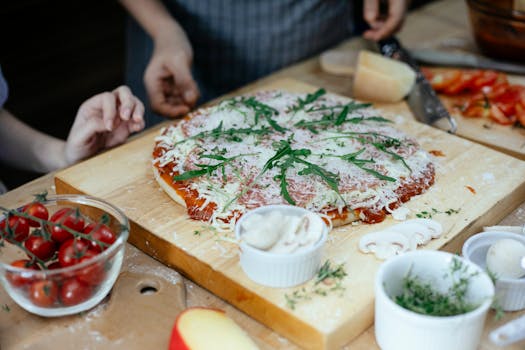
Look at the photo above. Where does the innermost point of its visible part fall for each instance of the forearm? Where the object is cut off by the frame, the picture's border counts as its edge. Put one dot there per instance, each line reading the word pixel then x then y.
pixel 156 20
pixel 27 148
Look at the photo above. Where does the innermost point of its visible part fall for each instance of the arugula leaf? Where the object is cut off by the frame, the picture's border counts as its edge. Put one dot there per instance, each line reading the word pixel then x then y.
pixel 308 99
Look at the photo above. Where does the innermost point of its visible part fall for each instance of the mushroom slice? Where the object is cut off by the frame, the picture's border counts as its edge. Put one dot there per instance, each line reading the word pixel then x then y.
pixel 384 243
pixel 434 226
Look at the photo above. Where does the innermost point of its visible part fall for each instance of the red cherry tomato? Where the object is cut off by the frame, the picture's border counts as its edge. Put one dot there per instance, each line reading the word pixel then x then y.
pixel 102 233
pixel 71 251
pixel 54 265
pixel 43 293
pixel 17 228
pixel 93 274
pixel 38 210
pixel 73 292
pixel 40 247
pixel 21 279
pixel 69 218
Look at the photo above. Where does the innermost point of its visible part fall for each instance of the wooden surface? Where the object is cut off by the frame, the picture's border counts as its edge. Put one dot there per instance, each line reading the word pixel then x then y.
pixel 161 228
pixel 444 14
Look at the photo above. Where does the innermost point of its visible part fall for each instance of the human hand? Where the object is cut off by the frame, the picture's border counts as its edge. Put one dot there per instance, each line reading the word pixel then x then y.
pixel 105 120
pixel 168 80
pixel 381 27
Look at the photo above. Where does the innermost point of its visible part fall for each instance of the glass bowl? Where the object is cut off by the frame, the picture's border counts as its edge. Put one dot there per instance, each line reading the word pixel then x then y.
pixel 78 265
pixel 498 28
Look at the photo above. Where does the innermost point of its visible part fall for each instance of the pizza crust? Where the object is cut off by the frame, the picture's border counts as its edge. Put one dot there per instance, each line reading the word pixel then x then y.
pixel 168 188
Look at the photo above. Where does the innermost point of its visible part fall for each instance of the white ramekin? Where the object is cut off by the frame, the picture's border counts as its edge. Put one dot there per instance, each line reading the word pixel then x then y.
pixel 397 328
pixel 280 270
pixel 510 292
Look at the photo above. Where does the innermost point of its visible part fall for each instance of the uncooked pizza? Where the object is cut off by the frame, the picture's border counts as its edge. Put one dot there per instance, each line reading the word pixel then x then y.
pixel 331 155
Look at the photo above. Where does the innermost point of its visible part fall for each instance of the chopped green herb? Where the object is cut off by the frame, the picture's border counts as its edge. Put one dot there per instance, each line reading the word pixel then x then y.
pixel 6 308
pixel 420 297
pixel 328 280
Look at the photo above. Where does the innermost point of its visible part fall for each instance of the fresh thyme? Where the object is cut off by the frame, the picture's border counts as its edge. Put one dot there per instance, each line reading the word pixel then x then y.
pixel 6 308
pixel 328 280
pixel 307 100
pixel 286 157
pixel 428 214
pixel 420 297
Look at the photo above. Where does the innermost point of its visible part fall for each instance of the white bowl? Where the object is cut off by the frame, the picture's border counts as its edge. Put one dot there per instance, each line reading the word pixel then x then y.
pixel 400 328
pixel 510 292
pixel 275 269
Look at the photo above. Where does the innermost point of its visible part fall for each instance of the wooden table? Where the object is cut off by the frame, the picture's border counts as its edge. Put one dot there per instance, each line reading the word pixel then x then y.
pixel 18 329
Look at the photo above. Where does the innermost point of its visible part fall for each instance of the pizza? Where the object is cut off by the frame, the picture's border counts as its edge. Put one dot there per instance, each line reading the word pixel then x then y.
pixel 331 155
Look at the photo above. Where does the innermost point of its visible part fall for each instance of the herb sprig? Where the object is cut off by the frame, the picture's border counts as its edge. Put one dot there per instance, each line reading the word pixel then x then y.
pixel 231 134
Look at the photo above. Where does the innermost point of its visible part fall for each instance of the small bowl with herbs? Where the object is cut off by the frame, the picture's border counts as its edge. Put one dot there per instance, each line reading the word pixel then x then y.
pixel 61 255
pixel 431 300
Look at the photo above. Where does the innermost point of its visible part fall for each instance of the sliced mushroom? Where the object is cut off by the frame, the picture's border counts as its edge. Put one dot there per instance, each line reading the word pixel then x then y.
pixel 384 243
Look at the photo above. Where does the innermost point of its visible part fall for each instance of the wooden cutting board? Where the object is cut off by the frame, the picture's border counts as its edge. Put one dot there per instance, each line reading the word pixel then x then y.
pixel 484 185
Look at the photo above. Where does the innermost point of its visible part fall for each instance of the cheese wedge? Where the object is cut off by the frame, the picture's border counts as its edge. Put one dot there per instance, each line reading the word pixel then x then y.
pixel 381 79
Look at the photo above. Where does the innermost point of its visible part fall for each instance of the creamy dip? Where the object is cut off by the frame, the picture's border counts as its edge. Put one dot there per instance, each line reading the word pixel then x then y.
pixel 279 233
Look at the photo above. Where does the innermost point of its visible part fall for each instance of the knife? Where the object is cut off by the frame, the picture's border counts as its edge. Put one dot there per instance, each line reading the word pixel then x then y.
pixel 464 59
pixel 422 99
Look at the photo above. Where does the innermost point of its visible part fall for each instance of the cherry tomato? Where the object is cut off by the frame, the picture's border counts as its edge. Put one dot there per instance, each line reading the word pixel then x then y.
pixel 74 292
pixel 69 218
pixel 54 265
pixel 477 110
pixel 17 228
pixel 38 210
pixel 92 274
pixel 24 278
pixel 102 233
pixel 40 247
pixel 43 293
pixel 71 251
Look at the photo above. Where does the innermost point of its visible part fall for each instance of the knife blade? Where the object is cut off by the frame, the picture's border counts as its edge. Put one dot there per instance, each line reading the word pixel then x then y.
pixel 422 99
pixel 464 59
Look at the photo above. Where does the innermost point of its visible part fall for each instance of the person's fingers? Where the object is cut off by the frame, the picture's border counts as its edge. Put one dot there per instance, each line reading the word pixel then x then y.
pixel 170 110
pixel 118 136
pixel 137 117
pixel 382 29
pixel 109 109
pixel 184 81
pixel 153 81
pixel 371 11
pixel 126 100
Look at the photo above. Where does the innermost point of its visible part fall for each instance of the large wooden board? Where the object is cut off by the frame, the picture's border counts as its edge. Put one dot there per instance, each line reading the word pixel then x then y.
pixel 162 229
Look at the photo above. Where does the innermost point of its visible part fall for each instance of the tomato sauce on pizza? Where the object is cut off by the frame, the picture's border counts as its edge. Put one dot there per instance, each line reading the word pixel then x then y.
pixel 328 154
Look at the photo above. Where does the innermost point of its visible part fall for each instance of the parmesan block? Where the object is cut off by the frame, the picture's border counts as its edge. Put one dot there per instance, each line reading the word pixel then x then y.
pixel 381 79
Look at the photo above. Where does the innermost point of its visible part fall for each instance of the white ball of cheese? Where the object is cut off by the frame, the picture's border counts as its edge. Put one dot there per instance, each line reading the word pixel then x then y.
pixel 504 258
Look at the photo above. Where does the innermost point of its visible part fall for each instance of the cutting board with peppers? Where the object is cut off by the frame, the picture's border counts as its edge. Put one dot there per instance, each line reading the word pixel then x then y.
pixel 489 106
pixel 473 188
